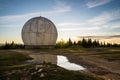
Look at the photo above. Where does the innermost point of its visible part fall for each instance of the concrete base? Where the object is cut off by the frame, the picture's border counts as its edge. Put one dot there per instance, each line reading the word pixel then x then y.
pixel 38 46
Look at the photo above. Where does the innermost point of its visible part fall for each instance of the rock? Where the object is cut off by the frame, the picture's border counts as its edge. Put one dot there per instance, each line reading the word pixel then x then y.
pixel 42 75
pixel 40 70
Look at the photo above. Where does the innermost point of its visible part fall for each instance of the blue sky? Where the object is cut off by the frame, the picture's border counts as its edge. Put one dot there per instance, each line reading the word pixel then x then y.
pixel 72 17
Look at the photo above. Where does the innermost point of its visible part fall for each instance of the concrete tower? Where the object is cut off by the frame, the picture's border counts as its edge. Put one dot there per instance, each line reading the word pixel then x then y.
pixel 39 32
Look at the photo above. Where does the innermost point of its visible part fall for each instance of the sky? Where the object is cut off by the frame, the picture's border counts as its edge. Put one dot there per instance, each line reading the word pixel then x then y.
pixel 72 17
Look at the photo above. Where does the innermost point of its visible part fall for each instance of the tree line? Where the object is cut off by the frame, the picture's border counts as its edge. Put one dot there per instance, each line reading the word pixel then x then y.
pixel 12 45
pixel 86 43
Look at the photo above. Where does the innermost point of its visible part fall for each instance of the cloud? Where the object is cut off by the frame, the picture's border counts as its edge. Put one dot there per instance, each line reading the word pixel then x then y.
pixel 115 25
pixel 67 26
pixel 59 8
pixel 78 29
pixel 104 22
pixel 105 17
pixel 15 19
pixel 96 3
pixel 107 22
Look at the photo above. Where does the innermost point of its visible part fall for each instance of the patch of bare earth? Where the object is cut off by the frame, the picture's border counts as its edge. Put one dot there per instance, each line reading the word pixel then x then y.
pixel 99 66
pixel 108 70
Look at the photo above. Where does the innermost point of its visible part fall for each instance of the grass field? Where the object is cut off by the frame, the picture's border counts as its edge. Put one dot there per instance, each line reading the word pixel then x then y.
pixel 14 60
pixel 8 58
pixel 107 53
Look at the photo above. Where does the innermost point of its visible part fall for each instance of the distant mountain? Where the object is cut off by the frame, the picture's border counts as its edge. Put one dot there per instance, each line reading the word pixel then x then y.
pixel 115 36
pixel 100 37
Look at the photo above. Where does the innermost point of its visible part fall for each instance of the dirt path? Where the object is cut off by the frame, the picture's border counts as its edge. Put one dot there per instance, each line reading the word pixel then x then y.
pixel 98 66
pixel 109 70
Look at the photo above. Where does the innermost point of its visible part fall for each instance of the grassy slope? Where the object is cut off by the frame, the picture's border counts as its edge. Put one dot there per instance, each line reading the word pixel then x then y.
pixel 10 60
pixel 50 71
pixel 107 53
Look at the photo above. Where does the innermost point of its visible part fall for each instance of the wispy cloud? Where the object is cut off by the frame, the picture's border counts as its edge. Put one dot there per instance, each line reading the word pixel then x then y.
pixel 78 29
pixel 115 25
pixel 106 20
pixel 105 17
pixel 95 3
pixel 67 24
pixel 59 8
pixel 73 26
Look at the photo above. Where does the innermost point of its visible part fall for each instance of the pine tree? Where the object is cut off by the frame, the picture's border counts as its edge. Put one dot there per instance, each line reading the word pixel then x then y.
pixel 89 43
pixel 69 42
pixel 84 43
